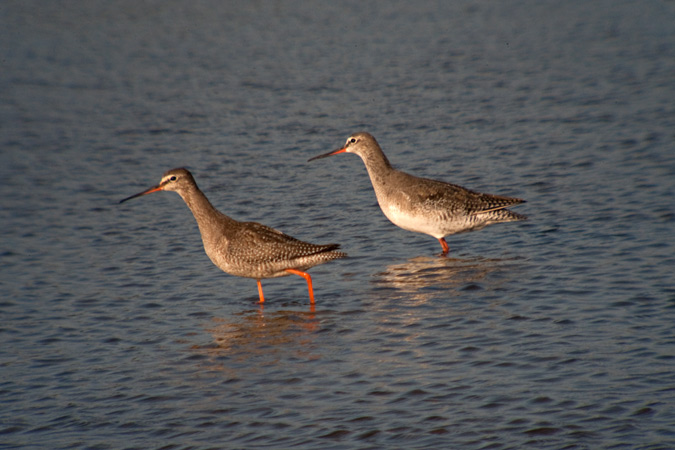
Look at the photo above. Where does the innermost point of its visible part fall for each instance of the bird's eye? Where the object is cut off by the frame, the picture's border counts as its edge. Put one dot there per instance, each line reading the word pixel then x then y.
pixel 173 178
pixel 352 140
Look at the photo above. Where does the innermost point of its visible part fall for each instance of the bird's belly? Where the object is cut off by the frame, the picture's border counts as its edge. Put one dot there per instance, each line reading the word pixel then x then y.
pixel 231 265
pixel 435 223
pixel 418 222
pixel 247 268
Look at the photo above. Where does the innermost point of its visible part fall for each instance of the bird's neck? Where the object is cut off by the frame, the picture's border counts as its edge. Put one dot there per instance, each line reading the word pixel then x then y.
pixel 210 221
pixel 378 167
pixel 376 160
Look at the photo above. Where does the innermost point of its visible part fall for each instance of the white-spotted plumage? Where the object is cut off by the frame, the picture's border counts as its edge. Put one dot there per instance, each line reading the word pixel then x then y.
pixel 245 249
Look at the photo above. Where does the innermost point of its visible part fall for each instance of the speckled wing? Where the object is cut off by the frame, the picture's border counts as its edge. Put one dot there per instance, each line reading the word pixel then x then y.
pixel 454 198
pixel 258 243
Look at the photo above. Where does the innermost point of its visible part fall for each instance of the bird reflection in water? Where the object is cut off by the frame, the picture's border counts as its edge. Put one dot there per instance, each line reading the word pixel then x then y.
pixel 425 276
pixel 256 335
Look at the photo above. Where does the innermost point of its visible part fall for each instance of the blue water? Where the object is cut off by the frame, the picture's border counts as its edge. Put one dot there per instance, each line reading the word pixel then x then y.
pixel 117 332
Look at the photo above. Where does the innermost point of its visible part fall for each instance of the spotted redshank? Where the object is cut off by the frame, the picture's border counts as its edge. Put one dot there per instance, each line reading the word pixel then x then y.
pixel 423 205
pixel 245 249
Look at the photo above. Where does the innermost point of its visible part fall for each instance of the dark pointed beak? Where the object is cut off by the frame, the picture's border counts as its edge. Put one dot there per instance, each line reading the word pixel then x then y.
pixel 147 191
pixel 334 152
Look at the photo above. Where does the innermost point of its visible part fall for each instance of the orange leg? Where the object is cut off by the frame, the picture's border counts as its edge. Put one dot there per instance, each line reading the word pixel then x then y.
pixel 262 297
pixel 444 244
pixel 307 277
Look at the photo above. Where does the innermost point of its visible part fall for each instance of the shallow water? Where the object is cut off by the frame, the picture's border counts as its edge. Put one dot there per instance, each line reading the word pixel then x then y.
pixel 118 332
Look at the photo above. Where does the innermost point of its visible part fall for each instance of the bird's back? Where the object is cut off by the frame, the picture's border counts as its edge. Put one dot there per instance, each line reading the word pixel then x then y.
pixel 255 250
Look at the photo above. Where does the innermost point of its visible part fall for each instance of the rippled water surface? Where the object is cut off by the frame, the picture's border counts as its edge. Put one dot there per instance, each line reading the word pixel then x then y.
pixel 117 332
